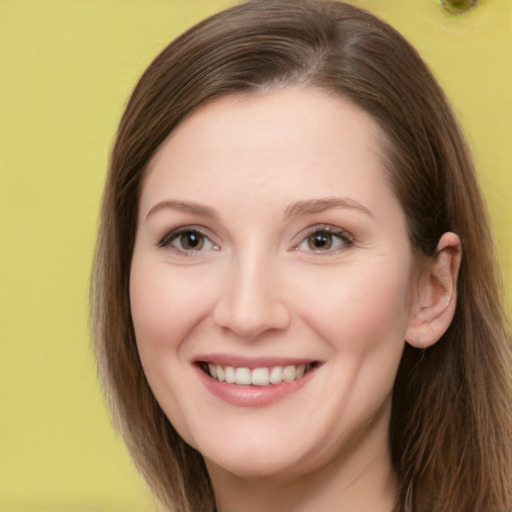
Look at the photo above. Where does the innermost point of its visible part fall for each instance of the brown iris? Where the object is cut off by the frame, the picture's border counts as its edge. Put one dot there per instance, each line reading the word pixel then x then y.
pixel 320 241
pixel 191 240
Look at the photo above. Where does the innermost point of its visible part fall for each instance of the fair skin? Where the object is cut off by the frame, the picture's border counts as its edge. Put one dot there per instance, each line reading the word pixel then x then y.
pixel 268 237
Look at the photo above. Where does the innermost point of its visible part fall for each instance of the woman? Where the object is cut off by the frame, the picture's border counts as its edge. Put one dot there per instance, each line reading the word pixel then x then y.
pixel 296 299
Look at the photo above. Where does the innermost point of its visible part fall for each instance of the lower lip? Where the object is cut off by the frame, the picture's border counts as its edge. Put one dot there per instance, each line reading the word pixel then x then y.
pixel 252 396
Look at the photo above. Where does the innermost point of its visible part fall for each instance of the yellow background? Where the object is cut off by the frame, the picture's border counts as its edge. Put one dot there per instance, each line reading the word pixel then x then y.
pixel 66 69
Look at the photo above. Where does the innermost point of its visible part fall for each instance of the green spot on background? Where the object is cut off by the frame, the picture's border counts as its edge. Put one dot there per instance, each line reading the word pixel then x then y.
pixel 67 68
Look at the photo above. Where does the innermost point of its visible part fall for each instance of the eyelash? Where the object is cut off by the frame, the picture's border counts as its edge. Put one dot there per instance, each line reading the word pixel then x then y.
pixel 346 240
pixel 174 235
pixel 326 231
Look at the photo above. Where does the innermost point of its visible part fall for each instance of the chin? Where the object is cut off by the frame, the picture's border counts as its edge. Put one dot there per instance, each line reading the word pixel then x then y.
pixel 253 460
pixel 253 467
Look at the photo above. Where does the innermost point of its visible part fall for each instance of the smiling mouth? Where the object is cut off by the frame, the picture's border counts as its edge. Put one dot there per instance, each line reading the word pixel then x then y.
pixel 262 376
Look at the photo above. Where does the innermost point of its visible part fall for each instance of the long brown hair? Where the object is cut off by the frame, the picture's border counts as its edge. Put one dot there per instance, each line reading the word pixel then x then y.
pixel 450 433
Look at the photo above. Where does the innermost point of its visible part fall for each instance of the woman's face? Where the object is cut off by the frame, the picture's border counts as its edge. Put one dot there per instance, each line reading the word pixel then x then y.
pixel 270 249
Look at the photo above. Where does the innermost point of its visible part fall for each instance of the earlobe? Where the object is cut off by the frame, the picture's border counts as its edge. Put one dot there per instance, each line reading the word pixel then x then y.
pixel 433 306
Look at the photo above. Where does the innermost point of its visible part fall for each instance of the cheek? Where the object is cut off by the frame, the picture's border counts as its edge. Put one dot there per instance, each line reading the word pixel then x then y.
pixel 360 308
pixel 363 319
pixel 165 305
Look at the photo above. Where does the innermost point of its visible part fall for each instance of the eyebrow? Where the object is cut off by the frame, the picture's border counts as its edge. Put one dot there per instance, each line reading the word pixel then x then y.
pixel 293 210
pixel 195 208
pixel 319 205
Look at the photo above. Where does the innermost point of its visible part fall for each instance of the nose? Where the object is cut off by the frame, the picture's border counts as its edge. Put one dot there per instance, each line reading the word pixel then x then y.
pixel 251 300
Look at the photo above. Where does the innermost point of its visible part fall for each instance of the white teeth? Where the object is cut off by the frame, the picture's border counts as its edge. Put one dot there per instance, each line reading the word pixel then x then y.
pixel 221 376
pixel 276 375
pixel 263 376
pixel 229 371
pixel 243 376
pixel 213 370
pixel 289 373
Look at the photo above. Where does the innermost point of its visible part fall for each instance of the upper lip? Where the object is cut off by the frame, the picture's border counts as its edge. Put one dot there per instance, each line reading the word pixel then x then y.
pixel 251 362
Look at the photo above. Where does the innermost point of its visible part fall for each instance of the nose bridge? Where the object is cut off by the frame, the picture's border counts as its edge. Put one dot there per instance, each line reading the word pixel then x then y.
pixel 252 300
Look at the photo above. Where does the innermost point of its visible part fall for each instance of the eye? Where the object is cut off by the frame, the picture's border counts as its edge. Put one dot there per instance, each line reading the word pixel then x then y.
pixel 188 241
pixel 325 239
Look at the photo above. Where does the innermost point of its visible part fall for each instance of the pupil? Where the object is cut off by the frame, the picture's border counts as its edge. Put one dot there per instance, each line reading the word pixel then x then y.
pixel 320 240
pixel 192 240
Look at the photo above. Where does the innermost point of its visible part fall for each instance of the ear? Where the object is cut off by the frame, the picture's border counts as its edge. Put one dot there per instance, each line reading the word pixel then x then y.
pixel 434 299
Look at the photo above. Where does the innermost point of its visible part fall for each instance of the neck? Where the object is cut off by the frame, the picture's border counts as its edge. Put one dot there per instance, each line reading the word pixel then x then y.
pixel 361 479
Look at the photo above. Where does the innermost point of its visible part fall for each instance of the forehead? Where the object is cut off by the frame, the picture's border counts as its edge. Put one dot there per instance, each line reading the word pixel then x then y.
pixel 286 143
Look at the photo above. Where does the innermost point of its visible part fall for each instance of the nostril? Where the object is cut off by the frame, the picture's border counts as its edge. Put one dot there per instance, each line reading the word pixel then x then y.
pixel 249 319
